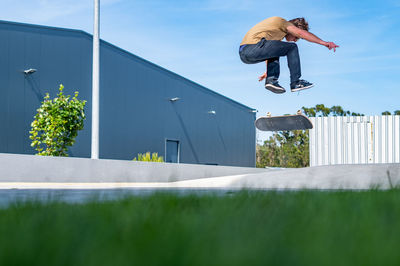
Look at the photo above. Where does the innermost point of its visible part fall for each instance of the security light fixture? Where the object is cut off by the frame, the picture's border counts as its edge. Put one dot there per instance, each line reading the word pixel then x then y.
pixel 254 111
pixel 30 71
pixel 174 99
pixel 212 112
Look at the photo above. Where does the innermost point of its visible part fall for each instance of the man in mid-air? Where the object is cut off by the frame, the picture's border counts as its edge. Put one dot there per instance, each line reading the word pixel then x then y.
pixel 264 42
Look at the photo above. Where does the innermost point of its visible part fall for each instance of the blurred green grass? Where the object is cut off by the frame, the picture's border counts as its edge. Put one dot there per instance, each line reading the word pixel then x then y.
pixel 244 228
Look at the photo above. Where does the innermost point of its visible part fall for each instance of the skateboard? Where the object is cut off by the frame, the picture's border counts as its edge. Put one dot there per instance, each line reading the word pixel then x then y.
pixel 284 122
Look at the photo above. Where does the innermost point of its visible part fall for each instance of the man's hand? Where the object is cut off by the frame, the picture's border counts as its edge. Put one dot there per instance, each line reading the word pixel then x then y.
pixel 331 45
pixel 262 77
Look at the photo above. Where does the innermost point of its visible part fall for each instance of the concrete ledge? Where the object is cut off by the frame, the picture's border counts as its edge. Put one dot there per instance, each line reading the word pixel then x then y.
pixel 37 172
pixel 31 168
pixel 351 176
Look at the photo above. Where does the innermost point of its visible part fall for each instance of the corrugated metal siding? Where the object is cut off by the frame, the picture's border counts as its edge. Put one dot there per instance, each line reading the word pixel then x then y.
pixel 355 140
pixel 136 114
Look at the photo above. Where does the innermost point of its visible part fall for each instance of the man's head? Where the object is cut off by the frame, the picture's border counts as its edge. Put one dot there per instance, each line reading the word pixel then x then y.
pixel 300 23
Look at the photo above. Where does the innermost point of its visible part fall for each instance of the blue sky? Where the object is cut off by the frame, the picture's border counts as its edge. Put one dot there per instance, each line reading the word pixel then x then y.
pixel 199 40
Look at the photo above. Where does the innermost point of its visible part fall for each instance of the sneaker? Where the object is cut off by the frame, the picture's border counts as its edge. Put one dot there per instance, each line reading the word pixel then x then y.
pixel 301 84
pixel 274 86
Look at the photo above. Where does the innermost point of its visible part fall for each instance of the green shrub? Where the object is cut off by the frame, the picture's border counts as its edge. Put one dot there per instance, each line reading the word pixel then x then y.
pixel 56 124
pixel 147 158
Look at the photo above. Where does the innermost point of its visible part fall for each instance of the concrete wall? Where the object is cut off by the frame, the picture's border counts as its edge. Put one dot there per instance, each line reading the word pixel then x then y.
pixel 136 114
pixel 31 168
pixel 38 172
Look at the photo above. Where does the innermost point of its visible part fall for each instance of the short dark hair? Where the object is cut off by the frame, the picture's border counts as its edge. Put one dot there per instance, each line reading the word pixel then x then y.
pixel 300 23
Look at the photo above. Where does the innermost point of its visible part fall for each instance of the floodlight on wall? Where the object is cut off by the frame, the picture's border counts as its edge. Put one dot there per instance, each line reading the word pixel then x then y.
pixel 254 111
pixel 212 112
pixel 29 71
pixel 174 99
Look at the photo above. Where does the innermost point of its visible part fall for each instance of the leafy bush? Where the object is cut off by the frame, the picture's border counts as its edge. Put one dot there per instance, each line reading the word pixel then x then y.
pixel 56 124
pixel 147 158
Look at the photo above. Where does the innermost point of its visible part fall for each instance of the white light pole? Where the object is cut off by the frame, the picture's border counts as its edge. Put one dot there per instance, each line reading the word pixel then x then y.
pixel 96 81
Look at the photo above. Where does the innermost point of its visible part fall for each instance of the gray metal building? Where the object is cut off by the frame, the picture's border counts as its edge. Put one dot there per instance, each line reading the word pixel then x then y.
pixel 143 107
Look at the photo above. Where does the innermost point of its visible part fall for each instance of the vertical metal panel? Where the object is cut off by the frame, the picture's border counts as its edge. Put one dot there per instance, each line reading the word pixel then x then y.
pixel 311 144
pixel 15 102
pixel 332 141
pixel 390 140
pixel 363 138
pixel 377 139
pixel 325 141
pixel 396 139
pixel 355 140
pixel 383 144
pixel 370 141
pixel 319 141
pixel 339 147
pixel 5 83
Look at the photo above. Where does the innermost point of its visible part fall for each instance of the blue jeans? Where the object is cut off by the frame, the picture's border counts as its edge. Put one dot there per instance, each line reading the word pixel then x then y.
pixel 271 51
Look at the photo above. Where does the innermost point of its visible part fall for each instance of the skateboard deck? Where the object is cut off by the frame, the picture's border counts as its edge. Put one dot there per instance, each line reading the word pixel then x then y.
pixel 284 122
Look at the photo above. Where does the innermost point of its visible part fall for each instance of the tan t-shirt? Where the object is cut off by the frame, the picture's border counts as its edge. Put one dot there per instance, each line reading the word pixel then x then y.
pixel 273 28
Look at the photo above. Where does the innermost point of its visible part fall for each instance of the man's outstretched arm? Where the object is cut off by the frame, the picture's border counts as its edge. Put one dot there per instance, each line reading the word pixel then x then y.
pixel 308 36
